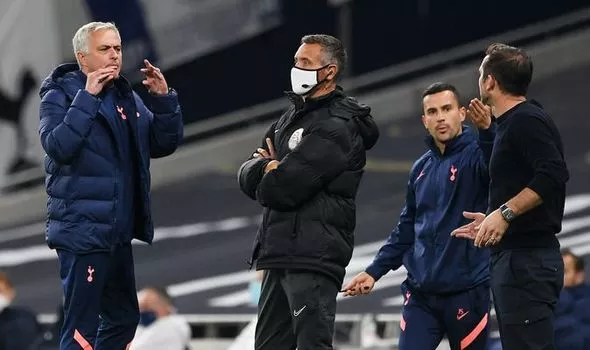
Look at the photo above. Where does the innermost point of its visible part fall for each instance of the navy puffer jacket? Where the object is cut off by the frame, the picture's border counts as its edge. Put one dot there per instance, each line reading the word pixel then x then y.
pixel 83 159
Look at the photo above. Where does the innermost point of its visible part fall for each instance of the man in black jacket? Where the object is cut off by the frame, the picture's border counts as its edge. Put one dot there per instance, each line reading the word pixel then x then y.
pixel 306 175
pixel 527 195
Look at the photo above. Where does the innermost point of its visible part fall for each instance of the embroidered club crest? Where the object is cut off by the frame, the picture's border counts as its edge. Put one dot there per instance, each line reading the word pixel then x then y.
pixel 295 138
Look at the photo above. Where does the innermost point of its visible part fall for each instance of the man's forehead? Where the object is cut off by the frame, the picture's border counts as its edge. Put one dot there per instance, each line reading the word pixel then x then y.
pixel 439 99
pixel 106 35
pixel 309 51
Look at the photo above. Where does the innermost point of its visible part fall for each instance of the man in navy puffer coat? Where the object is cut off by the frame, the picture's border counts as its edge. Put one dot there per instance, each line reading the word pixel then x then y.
pixel 99 138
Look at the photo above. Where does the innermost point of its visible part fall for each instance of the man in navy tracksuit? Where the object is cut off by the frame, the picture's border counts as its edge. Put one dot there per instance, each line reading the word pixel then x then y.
pixel 99 138
pixel 447 288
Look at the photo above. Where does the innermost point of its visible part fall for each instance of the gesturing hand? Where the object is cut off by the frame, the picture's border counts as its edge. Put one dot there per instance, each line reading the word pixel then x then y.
pixel 479 114
pixel 469 230
pixel 484 231
pixel 262 153
pixel 154 79
pixel 96 80
pixel 361 284
pixel 491 230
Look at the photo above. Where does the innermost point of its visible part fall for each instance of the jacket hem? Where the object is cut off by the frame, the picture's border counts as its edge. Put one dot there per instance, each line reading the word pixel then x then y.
pixel 308 264
pixel 79 251
pixel 450 292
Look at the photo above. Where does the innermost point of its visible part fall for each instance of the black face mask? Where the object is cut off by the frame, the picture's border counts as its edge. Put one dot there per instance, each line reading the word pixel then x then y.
pixel 146 318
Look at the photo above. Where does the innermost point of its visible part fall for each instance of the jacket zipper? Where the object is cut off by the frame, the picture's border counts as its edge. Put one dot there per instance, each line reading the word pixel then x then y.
pixel 263 233
pixel 115 206
pixel 295 225
pixel 259 244
pixel 436 197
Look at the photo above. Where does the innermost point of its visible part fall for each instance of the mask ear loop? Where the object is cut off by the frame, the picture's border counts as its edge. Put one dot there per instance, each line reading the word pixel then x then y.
pixel 319 82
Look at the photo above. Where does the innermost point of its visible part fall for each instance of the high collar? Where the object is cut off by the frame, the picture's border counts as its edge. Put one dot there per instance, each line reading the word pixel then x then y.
pixel 455 145
pixel 70 78
pixel 120 85
pixel 313 103
pixel 509 113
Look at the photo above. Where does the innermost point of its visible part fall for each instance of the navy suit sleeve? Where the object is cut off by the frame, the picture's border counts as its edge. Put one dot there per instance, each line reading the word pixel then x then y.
pixel 252 170
pixel 486 144
pixel 390 256
pixel 320 157
pixel 63 128
pixel 166 124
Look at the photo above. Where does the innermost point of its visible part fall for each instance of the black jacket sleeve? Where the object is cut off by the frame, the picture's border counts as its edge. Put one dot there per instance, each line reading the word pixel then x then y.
pixel 251 171
pixel 320 157
pixel 539 146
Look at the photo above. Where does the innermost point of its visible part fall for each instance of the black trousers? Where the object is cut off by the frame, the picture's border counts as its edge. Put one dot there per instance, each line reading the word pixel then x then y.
pixel 526 285
pixel 296 311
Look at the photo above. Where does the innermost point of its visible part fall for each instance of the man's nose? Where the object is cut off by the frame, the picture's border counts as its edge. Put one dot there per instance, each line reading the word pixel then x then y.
pixel 113 54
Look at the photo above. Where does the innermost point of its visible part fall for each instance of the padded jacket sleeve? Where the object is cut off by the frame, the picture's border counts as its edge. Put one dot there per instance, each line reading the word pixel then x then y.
pixel 321 156
pixel 64 127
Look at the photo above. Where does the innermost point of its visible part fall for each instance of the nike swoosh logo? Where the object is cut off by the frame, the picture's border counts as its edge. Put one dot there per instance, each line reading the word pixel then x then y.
pixel 297 312
pixel 461 316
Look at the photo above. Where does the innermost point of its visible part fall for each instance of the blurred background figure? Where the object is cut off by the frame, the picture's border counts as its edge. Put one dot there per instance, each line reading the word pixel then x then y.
pixel 230 62
pixel 12 112
pixel 572 322
pixel 159 325
pixel 254 288
pixel 19 329
pixel 574 279
pixel 245 340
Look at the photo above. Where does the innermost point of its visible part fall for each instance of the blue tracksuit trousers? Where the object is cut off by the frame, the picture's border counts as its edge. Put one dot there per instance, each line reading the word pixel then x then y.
pixel 100 299
pixel 462 317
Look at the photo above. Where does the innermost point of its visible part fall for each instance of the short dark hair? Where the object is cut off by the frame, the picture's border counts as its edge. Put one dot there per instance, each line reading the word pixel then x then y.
pixel 332 49
pixel 510 66
pixel 578 262
pixel 437 87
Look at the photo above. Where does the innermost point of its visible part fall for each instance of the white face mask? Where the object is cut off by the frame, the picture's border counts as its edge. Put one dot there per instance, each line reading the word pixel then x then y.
pixel 4 302
pixel 303 80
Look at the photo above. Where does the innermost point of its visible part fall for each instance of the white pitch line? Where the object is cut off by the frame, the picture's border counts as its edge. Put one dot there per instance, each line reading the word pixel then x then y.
pixel 40 252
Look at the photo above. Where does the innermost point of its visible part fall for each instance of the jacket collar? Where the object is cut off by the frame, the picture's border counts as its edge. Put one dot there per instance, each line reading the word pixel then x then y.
pixel 455 145
pixel 75 80
pixel 309 104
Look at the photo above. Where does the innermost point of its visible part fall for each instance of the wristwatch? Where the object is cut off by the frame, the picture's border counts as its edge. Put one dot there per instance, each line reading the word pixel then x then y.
pixel 507 213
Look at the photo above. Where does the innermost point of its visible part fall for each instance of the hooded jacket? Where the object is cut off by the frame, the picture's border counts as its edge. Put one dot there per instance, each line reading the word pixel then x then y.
pixel 309 211
pixel 440 188
pixel 85 172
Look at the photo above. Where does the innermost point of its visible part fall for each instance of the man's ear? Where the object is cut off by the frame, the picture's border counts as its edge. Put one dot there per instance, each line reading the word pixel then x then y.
pixel 81 58
pixel 332 71
pixel 490 82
